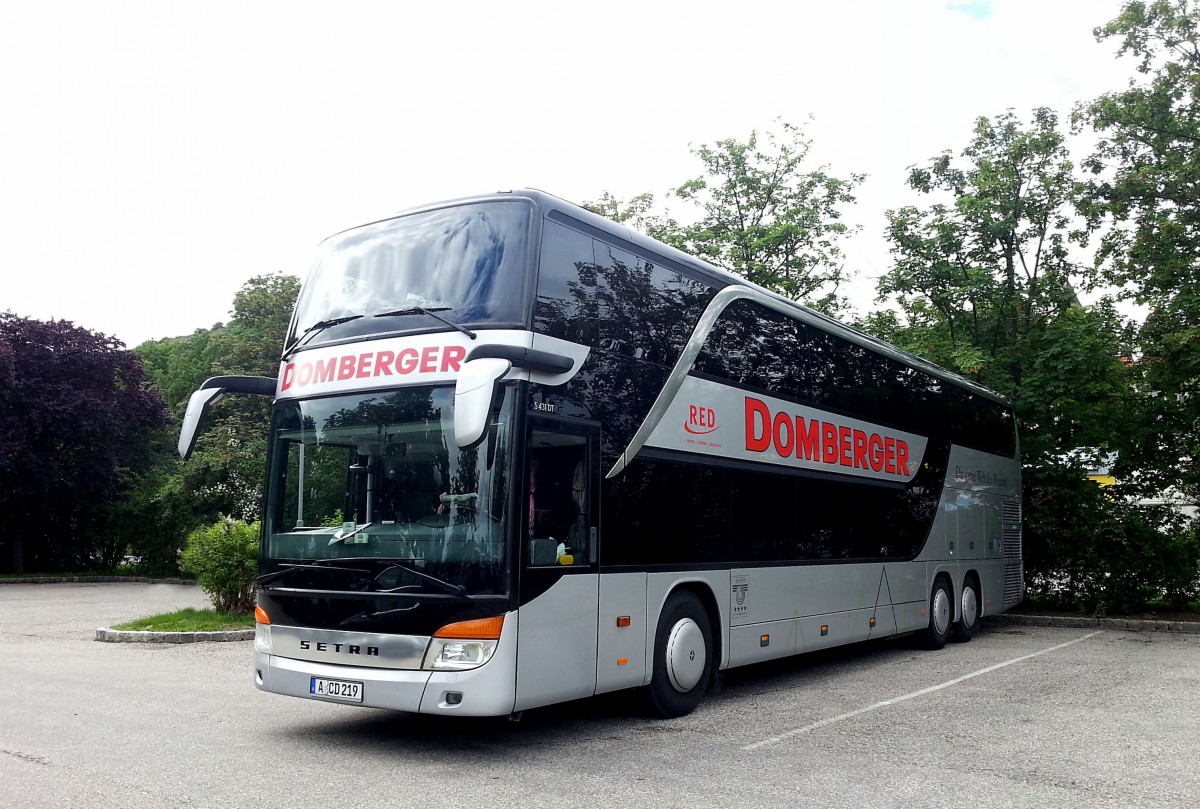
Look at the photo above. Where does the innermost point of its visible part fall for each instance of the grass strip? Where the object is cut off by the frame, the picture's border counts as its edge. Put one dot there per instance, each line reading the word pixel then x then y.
pixel 190 620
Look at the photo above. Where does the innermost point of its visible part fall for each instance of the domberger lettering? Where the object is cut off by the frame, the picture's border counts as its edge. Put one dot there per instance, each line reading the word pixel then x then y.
pixel 373 364
pixel 822 441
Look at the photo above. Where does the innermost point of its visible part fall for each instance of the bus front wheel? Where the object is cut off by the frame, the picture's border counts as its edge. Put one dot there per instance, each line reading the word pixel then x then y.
pixel 682 657
pixel 941 614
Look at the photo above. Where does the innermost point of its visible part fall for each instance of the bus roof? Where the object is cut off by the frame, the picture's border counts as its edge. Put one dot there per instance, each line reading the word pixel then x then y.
pixel 572 215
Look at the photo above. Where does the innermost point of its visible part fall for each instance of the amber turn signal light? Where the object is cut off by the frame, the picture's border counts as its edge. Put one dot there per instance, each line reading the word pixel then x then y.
pixel 480 628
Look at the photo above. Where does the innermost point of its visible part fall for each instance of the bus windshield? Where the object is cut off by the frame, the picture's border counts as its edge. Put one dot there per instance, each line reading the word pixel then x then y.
pixel 465 263
pixel 378 478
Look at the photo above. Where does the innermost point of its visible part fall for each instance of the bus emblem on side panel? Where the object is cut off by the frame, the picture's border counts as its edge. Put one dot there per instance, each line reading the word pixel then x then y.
pixel 741 595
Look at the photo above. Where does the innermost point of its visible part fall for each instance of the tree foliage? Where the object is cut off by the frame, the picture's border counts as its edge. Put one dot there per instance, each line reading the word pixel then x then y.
pixel 224 559
pixel 1087 550
pixel 760 212
pixel 985 281
pixel 1144 196
pixel 75 420
pixel 225 473
pixel 769 218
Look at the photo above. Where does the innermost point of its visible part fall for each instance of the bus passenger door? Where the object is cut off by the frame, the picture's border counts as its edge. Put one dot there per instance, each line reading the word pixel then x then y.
pixel 556 623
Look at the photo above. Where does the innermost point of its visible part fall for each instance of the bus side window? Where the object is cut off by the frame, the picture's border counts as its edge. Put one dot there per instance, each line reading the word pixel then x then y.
pixel 558 523
pixel 567 295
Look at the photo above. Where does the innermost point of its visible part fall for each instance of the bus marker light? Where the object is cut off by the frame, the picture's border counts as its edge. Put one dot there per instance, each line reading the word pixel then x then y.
pixel 764 640
pixel 621 661
pixel 824 630
pixel 260 615
pixel 480 628
pixel 872 621
pixel 623 620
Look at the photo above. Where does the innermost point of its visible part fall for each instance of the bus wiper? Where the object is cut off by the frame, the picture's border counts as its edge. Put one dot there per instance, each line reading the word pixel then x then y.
pixel 393 564
pixel 433 313
pixel 292 567
pixel 315 329
pixel 441 584
pixel 340 537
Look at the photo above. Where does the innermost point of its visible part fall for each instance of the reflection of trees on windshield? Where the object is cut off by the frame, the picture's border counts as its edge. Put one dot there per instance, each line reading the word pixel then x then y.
pixel 398 407
pixel 466 258
pixel 390 459
pixel 388 465
pixel 625 307
pixel 324 485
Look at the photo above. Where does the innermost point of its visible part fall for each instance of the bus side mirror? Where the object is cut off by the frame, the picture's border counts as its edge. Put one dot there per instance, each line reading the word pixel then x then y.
pixel 198 405
pixel 212 390
pixel 473 395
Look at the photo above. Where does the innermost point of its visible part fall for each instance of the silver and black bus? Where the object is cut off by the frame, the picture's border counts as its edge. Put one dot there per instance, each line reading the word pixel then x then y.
pixel 521 454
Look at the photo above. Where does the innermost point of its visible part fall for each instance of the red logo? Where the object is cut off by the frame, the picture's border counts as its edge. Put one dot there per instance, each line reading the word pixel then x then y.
pixel 701 420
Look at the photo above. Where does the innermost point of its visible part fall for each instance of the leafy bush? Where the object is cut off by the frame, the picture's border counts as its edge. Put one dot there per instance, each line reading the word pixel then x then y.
pixel 1088 549
pixel 224 559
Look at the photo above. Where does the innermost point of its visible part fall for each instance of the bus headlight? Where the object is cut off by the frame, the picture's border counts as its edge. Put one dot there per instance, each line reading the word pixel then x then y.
pixel 464 645
pixel 458 654
pixel 262 631
pixel 262 638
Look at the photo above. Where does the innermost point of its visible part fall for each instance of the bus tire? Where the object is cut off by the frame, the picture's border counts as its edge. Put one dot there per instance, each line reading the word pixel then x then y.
pixel 968 611
pixel 941 615
pixel 683 657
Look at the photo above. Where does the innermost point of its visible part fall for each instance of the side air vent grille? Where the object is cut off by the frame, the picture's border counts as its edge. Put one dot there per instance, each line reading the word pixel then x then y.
pixel 1014 578
pixel 1011 529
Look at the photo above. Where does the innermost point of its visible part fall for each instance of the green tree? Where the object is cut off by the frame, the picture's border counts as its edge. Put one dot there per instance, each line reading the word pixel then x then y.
pixel 1145 173
pixel 760 212
pixel 75 417
pixel 227 467
pixel 1087 550
pixel 638 212
pixel 985 281
pixel 225 473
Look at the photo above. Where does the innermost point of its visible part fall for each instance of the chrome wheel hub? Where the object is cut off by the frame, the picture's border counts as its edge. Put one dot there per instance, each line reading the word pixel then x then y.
pixel 686 656
pixel 941 611
pixel 970 607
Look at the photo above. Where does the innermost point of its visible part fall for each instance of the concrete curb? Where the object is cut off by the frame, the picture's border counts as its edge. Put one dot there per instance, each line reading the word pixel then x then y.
pixel 106 635
pixel 93 580
pixel 1126 624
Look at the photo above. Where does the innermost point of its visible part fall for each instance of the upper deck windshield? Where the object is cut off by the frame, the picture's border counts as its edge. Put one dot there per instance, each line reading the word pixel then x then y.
pixel 373 489
pixel 466 263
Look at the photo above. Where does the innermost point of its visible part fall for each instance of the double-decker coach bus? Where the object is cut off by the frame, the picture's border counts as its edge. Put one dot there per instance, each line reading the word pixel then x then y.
pixel 521 454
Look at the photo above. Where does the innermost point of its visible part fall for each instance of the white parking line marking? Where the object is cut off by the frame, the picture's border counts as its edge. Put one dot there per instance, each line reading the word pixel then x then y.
pixel 831 720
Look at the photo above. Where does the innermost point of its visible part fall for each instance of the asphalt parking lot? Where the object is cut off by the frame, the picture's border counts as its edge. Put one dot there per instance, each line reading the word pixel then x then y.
pixel 1019 717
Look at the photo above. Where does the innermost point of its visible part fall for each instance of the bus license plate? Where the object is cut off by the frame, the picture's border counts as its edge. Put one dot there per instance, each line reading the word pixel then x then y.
pixel 344 690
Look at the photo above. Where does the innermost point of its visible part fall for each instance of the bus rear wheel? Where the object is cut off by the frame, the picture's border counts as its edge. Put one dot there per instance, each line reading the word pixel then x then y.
pixel 682 657
pixel 941 614
pixel 968 611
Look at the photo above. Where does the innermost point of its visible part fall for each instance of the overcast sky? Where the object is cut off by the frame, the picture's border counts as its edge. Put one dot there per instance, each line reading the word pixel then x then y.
pixel 156 155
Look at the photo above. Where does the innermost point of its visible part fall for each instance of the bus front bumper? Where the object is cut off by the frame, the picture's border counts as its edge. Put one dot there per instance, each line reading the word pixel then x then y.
pixel 489 690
